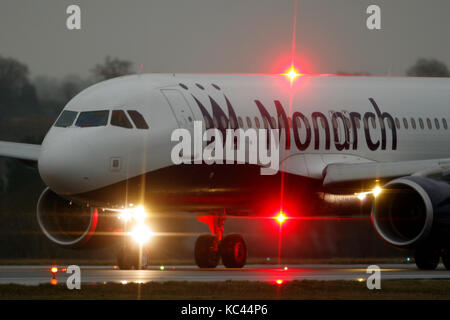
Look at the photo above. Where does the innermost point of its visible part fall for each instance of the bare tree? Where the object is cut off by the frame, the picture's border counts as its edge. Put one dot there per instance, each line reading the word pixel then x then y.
pixel 428 68
pixel 16 91
pixel 111 68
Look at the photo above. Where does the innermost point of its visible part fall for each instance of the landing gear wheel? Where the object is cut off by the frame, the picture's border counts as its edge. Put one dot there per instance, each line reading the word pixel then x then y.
pixel 207 251
pixel 233 251
pixel 446 258
pixel 130 257
pixel 427 258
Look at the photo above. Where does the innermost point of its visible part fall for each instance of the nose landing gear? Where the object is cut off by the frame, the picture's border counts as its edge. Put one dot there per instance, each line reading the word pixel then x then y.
pixel 209 248
pixel 132 256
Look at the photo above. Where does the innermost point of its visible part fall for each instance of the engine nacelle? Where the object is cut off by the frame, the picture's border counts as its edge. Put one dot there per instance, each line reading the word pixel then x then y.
pixel 72 225
pixel 413 210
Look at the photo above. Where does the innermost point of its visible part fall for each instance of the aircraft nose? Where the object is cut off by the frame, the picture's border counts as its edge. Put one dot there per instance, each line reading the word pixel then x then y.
pixel 64 164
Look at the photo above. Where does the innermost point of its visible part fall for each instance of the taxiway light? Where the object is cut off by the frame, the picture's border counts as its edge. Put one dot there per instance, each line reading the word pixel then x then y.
pixel 279 281
pixel 141 234
pixel 54 271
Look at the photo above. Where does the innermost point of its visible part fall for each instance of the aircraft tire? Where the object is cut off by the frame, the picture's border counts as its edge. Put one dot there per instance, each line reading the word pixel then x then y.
pixel 207 251
pixel 233 251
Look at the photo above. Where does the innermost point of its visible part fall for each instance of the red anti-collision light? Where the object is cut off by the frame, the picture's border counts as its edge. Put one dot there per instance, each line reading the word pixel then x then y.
pixel 281 218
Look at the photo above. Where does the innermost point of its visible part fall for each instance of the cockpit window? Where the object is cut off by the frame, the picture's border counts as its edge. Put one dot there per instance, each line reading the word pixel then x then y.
pixel 66 119
pixel 119 119
pixel 138 119
pixel 92 119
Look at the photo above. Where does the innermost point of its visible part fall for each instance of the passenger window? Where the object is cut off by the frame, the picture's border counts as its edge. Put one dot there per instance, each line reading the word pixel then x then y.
pixel 281 122
pixel 274 123
pixel 413 123
pixel 405 123
pixel 444 123
pixel 66 119
pixel 397 123
pixel 249 122
pixel 421 123
pixel 436 123
pixel 92 119
pixel 257 122
pixel 207 124
pixel 138 119
pixel 347 123
pixel 232 123
pixel 429 123
pixel 119 119
pixel 241 123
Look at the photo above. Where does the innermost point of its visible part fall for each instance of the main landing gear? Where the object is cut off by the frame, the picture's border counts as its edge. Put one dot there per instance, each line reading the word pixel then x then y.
pixel 427 257
pixel 209 248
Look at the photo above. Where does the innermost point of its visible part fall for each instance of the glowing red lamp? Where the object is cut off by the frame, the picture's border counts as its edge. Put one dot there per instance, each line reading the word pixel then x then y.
pixel 281 217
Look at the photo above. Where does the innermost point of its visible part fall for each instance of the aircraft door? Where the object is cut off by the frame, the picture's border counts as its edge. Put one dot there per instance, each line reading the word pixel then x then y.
pixel 180 107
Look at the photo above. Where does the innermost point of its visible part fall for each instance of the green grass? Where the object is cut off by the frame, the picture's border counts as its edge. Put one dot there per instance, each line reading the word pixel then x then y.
pixel 236 290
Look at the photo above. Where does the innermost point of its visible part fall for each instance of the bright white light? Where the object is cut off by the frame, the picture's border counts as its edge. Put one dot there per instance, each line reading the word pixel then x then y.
pixel 141 234
pixel 125 215
pixel 361 196
pixel 139 214
pixel 376 191
pixel 136 213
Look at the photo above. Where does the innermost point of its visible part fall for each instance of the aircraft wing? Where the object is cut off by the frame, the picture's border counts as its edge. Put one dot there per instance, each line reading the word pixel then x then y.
pixel 22 151
pixel 345 173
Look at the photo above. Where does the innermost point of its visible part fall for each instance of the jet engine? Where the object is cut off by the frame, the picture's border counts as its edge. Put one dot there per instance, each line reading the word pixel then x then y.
pixel 413 210
pixel 73 225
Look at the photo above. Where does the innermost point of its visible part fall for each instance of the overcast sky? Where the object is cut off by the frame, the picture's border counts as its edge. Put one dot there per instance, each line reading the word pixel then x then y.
pixel 224 35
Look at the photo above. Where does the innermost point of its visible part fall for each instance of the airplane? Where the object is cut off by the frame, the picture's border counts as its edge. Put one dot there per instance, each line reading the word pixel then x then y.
pixel 348 145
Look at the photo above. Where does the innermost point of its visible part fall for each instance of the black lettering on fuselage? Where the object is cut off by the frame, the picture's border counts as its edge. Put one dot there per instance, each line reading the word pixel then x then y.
pixel 221 121
pixel 324 125
pixel 355 119
pixel 300 116
pixel 381 117
pixel 337 143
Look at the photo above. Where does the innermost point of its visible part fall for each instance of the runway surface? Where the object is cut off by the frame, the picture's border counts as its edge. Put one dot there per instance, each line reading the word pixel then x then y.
pixel 33 275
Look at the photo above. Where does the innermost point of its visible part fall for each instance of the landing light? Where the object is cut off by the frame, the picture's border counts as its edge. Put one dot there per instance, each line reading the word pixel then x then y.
pixel 137 213
pixel 141 234
pixel 376 191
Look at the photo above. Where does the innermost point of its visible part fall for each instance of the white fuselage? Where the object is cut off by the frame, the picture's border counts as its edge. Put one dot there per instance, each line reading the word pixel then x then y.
pixel 77 160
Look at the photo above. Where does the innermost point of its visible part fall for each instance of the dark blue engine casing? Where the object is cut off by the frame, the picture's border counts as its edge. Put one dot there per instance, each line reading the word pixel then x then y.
pixel 412 210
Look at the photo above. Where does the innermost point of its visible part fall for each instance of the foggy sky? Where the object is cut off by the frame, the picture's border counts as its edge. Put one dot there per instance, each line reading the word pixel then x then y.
pixel 224 36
